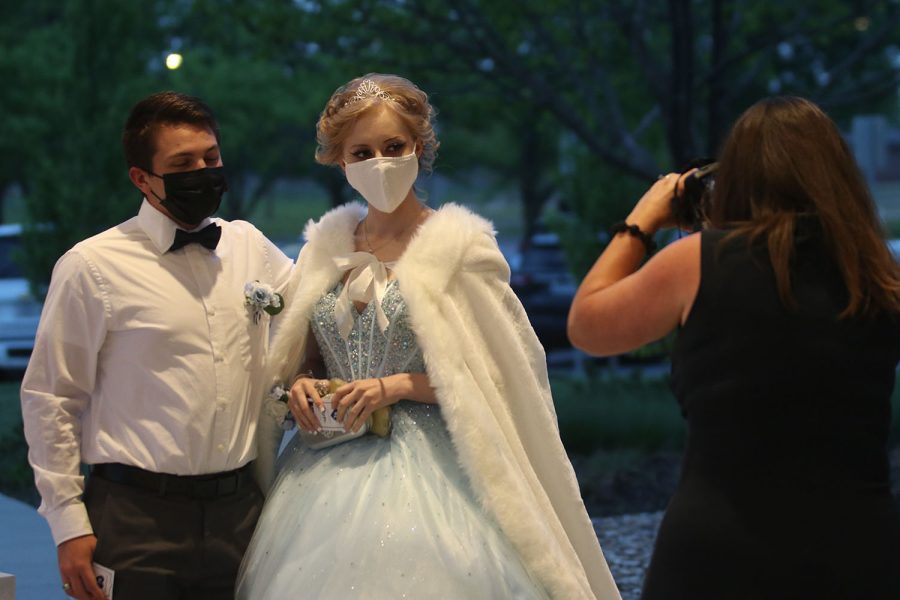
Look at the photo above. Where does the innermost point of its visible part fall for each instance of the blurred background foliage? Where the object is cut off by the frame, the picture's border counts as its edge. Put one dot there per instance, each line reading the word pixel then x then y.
pixel 552 113
pixel 623 434
pixel 569 104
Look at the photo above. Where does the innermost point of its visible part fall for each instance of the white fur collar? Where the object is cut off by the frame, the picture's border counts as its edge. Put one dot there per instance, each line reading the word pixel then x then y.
pixel 432 257
pixel 435 251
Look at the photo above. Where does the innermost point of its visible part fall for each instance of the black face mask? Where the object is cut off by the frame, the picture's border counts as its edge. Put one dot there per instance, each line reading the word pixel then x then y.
pixel 191 196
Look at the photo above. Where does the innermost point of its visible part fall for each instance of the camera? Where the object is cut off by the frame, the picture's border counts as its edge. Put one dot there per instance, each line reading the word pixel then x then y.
pixel 689 205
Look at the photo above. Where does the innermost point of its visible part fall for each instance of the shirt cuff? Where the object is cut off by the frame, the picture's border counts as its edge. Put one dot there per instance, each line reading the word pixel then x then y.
pixel 68 522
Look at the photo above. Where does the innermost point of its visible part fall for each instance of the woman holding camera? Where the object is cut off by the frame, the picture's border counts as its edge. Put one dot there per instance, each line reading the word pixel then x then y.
pixel 786 306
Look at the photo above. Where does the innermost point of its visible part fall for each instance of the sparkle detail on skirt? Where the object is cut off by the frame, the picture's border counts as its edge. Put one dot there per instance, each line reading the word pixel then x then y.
pixel 374 517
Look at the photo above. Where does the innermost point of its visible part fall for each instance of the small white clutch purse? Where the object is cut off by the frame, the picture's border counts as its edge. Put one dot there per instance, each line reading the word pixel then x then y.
pixel 332 430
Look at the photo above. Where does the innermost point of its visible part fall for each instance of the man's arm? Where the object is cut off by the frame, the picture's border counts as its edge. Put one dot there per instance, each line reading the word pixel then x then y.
pixel 55 391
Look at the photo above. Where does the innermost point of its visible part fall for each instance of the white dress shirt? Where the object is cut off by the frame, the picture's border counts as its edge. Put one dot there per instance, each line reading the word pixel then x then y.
pixel 146 357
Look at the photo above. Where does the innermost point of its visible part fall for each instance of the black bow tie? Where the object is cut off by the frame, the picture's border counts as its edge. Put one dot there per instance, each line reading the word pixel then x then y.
pixel 208 237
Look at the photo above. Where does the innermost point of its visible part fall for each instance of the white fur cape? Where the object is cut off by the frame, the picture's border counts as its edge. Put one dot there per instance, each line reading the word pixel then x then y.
pixel 489 373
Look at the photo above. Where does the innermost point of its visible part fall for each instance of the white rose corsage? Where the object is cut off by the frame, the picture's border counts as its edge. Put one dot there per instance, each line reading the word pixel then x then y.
pixel 261 298
pixel 276 403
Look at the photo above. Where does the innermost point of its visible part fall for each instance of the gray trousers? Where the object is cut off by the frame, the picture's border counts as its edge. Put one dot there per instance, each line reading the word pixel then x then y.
pixel 171 547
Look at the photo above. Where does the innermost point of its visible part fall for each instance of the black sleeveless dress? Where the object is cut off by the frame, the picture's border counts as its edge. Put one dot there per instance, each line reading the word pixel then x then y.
pixel 784 491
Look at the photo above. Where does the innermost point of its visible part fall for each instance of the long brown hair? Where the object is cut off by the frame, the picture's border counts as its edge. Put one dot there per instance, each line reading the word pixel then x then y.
pixel 785 158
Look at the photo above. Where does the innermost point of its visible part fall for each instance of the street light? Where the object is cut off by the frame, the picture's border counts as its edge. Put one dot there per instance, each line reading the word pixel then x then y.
pixel 173 61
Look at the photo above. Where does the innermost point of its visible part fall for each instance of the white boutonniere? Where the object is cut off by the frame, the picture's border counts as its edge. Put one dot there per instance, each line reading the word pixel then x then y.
pixel 276 403
pixel 261 298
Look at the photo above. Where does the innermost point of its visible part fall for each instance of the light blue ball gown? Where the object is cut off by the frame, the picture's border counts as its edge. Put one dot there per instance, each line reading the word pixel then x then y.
pixel 378 518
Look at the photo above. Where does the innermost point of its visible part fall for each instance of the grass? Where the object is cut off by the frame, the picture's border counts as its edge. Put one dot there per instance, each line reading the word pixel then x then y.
pixel 892 228
pixel 630 416
pixel 616 413
pixel 283 215
pixel 608 424
pixel 608 413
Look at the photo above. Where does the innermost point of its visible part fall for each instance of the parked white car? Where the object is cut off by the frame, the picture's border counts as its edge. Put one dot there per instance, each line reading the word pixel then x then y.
pixel 19 309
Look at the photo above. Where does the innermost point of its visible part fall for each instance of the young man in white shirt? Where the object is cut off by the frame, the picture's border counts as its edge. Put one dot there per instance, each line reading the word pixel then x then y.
pixel 148 366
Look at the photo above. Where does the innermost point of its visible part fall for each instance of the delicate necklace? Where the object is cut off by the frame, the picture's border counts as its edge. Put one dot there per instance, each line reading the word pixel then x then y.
pixel 395 238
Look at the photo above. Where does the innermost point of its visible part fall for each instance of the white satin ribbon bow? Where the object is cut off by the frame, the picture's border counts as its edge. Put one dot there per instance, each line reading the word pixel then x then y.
pixel 368 281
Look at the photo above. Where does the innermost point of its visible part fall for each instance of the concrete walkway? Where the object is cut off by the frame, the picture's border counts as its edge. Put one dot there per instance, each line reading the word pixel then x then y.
pixel 27 552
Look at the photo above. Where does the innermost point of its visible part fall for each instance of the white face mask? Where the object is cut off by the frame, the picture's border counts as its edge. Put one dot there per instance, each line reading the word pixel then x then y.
pixel 384 181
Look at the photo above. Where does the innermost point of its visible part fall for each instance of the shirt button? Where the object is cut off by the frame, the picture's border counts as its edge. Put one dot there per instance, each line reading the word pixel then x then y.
pixel 220 358
pixel 221 447
pixel 212 312
pixel 220 408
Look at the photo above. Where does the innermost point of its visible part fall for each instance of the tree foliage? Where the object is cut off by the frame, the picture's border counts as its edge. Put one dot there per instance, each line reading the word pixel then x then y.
pixel 618 74
pixel 77 83
pixel 575 101
pixel 631 88
pixel 236 58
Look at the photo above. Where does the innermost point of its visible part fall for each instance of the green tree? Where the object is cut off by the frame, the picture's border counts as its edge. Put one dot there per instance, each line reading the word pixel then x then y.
pixel 235 58
pixel 80 66
pixel 29 48
pixel 582 102
pixel 481 129
pixel 642 86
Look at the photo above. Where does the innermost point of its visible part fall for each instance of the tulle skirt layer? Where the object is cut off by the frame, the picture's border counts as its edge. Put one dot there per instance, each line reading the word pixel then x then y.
pixel 380 519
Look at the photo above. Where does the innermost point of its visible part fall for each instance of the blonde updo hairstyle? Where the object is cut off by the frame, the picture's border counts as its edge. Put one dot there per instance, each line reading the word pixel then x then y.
pixel 408 101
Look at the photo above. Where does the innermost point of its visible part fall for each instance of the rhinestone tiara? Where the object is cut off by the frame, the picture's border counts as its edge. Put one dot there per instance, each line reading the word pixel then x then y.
pixel 368 89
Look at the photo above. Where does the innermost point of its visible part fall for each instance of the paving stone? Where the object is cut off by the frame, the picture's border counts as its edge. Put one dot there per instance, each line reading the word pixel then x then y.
pixel 627 542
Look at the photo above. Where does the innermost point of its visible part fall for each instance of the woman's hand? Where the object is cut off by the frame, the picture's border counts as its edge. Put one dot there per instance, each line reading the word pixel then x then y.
pixel 654 210
pixel 303 390
pixel 357 400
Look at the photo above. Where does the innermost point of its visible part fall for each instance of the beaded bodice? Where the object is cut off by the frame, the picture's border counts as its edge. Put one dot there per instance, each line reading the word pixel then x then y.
pixel 367 352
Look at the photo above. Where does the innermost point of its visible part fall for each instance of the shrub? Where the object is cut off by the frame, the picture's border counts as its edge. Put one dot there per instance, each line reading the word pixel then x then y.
pixel 617 413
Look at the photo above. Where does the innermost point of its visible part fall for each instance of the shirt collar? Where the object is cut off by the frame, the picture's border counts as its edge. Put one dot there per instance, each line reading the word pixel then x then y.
pixel 160 228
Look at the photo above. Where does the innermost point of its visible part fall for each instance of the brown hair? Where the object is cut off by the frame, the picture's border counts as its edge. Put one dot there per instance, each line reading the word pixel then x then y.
pixel 407 100
pixel 785 158
pixel 154 111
